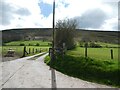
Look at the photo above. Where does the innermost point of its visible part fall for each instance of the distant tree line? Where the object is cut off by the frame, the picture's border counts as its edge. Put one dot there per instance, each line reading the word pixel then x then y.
pixel 90 44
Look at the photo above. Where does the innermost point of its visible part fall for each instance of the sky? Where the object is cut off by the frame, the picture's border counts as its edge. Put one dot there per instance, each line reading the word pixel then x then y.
pixel 90 14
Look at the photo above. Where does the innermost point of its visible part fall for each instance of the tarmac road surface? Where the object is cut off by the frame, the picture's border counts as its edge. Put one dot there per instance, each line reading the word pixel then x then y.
pixel 23 73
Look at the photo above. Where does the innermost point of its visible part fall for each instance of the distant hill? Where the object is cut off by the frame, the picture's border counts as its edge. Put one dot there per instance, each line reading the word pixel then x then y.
pixel 46 33
pixel 25 34
pixel 96 35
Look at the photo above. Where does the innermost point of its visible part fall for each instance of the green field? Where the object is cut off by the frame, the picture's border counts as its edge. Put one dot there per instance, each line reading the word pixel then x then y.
pixel 97 53
pixel 28 43
pixel 19 50
pixel 18 46
pixel 97 67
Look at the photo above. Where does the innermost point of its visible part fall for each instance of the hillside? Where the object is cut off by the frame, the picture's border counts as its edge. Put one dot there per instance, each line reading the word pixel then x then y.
pixel 25 34
pixel 46 33
pixel 95 35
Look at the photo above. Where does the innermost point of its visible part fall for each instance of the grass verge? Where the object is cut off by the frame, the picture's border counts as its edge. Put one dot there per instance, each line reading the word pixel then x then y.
pixel 104 72
pixel 34 58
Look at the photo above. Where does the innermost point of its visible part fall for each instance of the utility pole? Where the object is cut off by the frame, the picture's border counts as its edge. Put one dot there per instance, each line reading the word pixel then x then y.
pixel 53 81
pixel 53 24
pixel 53 42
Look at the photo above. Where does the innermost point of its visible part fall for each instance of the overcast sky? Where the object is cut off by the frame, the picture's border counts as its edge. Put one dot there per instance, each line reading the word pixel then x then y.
pixel 90 14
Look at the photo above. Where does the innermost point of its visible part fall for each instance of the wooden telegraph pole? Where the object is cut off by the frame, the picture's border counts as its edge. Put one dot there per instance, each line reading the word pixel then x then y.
pixel 52 52
pixel 53 23
pixel 53 42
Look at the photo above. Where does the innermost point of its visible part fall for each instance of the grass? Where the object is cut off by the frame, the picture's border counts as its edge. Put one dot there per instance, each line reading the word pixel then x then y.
pixel 34 58
pixel 97 67
pixel 104 72
pixel 19 50
pixel 28 43
pixel 97 53
pixel 19 45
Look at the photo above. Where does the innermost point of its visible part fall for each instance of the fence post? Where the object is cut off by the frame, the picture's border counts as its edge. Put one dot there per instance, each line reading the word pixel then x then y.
pixel 33 51
pixel 86 45
pixel 36 50
pixel 24 50
pixel 40 50
pixel 64 49
pixel 111 54
pixel 29 50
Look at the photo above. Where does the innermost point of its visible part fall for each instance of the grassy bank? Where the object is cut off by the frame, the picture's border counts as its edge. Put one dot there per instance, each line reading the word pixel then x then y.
pixel 100 69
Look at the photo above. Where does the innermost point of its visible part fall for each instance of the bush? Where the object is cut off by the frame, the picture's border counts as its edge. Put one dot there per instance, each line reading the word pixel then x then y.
pixel 47 59
pixel 22 44
pixel 106 46
pixel 37 44
pixel 94 45
pixel 81 44
pixel 49 44
pixel 29 44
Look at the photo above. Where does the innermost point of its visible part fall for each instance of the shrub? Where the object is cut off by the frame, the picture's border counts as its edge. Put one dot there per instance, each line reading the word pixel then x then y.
pixel 37 44
pixel 94 45
pixel 106 46
pixel 47 60
pixel 49 44
pixel 81 44
pixel 22 44
pixel 29 44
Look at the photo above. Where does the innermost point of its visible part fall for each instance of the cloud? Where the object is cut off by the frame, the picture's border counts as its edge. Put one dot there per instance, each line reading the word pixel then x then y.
pixel 38 13
pixel 90 15
pixel 92 19
pixel 23 11
pixel 119 15
pixel 19 13
pixel 111 24
pixel 6 11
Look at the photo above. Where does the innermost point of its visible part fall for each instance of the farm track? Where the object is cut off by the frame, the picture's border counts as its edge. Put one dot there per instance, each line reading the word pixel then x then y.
pixel 24 73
